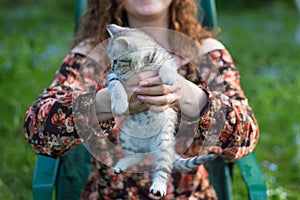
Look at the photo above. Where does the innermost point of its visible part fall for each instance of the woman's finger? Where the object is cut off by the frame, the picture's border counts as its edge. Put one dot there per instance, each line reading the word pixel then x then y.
pixel 155 90
pixel 161 100
pixel 150 81
pixel 137 78
pixel 160 108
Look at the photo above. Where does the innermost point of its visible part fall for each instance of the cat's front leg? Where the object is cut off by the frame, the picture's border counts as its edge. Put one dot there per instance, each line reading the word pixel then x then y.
pixel 119 99
pixel 164 154
pixel 168 75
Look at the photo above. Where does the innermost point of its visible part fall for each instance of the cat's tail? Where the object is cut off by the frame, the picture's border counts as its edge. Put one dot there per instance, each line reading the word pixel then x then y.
pixel 186 164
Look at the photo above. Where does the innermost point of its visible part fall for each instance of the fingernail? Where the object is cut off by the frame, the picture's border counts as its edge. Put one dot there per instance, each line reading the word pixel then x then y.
pixel 143 83
pixel 140 97
pixel 148 105
pixel 137 89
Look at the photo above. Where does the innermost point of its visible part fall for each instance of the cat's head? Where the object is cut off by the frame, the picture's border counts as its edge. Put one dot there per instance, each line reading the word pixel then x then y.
pixel 129 45
pixel 127 40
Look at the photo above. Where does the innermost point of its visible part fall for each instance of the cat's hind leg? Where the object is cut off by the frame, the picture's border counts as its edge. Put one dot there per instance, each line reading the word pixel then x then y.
pixel 159 185
pixel 163 162
pixel 160 179
pixel 129 160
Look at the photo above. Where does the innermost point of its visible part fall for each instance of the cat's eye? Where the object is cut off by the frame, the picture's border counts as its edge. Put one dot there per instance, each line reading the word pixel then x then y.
pixel 124 62
pixel 121 66
pixel 120 63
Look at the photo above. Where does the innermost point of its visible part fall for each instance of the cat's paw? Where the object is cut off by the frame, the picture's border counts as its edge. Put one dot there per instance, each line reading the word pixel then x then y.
pixel 120 167
pixel 168 75
pixel 168 80
pixel 158 189
pixel 118 170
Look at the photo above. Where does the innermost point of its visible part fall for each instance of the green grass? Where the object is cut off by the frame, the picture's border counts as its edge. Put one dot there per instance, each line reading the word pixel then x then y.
pixel 263 46
pixel 35 36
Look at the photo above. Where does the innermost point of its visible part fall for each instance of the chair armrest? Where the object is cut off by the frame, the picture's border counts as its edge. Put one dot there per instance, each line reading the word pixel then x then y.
pixel 44 177
pixel 220 178
pixel 253 177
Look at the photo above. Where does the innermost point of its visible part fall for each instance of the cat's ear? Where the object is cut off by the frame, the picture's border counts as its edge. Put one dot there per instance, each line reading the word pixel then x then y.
pixel 122 42
pixel 114 29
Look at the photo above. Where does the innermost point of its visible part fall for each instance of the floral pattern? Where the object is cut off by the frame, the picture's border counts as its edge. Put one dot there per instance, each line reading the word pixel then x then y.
pixel 50 127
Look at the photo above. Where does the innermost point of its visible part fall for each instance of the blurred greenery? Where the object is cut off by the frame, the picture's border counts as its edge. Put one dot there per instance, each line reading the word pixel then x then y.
pixel 233 5
pixel 262 42
pixel 35 35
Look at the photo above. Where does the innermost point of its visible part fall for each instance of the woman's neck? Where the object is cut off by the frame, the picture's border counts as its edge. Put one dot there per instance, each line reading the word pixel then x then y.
pixel 161 21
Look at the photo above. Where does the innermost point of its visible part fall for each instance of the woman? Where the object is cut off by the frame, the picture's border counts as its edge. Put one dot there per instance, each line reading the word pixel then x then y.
pixel 49 121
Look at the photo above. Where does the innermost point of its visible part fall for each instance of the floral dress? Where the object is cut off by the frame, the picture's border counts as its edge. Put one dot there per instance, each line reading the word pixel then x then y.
pixel 51 129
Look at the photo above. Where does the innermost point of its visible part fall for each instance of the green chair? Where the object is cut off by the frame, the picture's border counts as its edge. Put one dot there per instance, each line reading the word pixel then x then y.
pixel 66 176
pixel 63 178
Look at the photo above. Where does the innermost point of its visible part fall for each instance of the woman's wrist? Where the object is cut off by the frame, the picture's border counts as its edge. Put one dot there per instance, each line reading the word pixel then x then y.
pixel 193 100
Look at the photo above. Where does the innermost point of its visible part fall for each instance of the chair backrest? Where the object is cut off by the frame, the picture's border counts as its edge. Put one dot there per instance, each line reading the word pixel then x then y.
pixel 208 14
pixel 70 172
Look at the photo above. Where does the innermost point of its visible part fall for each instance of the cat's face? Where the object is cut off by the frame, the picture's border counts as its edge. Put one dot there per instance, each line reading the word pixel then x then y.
pixel 129 50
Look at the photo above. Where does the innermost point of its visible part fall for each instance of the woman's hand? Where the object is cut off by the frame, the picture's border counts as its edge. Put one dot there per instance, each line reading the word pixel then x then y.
pixel 146 91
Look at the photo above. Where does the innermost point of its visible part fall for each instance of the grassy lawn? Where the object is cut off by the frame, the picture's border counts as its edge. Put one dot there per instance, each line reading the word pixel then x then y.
pixel 35 36
pixel 262 41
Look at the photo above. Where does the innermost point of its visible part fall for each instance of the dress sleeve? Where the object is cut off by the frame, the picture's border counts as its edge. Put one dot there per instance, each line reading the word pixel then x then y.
pixel 49 123
pixel 228 127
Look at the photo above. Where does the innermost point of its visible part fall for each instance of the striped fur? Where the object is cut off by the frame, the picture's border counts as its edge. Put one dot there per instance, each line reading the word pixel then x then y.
pixel 186 164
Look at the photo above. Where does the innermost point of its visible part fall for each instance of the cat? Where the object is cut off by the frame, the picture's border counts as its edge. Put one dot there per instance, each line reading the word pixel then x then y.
pixel 147 132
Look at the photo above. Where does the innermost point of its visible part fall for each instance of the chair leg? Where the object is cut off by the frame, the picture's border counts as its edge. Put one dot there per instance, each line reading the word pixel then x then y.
pixel 220 178
pixel 253 177
pixel 73 172
pixel 44 177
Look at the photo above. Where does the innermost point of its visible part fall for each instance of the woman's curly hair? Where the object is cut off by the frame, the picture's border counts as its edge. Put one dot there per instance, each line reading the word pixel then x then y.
pixel 183 18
